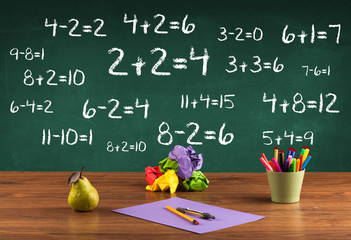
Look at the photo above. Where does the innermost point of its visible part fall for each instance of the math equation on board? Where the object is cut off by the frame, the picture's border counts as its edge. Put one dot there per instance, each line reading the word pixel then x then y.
pixel 165 63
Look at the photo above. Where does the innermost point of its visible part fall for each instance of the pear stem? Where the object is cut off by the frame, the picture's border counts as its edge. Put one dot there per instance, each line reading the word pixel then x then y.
pixel 81 171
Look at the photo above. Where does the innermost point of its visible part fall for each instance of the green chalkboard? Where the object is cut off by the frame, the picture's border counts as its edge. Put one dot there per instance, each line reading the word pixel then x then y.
pixel 115 85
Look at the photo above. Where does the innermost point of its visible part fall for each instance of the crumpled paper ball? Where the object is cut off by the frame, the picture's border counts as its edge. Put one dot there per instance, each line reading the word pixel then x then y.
pixel 187 160
pixel 167 164
pixel 197 181
pixel 167 181
pixel 152 173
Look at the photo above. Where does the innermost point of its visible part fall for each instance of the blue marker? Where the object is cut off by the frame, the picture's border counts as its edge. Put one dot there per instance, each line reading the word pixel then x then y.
pixel 306 161
pixel 288 154
pixel 293 152
pixel 287 162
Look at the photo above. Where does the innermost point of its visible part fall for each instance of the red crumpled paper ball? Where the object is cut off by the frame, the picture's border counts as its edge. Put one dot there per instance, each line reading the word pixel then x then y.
pixel 152 173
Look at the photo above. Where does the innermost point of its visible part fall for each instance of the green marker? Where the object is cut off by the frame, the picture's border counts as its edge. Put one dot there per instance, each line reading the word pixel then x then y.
pixel 292 167
pixel 302 151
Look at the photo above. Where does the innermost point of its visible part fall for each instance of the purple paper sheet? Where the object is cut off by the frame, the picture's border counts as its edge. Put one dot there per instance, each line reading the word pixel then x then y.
pixel 157 212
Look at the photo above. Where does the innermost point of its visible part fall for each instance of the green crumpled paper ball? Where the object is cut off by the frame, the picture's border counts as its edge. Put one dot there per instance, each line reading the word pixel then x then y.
pixel 197 181
pixel 167 164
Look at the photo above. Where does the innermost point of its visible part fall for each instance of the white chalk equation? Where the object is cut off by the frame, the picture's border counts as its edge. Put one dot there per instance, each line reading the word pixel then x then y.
pixel 312 35
pixel 270 137
pixel 75 29
pixel 117 110
pixel 28 54
pixel 66 137
pixel 299 105
pixel 159 24
pixel 126 147
pixel 239 34
pixel 166 134
pixel 33 106
pixel 223 101
pixel 178 63
pixel 51 78
pixel 316 71
pixel 255 66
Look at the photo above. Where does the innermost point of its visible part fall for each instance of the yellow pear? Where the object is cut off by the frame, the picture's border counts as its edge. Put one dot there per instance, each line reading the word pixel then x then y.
pixel 83 196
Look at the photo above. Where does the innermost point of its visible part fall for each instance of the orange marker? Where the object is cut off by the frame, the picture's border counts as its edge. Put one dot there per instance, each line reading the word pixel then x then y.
pixel 297 164
pixel 272 165
pixel 182 215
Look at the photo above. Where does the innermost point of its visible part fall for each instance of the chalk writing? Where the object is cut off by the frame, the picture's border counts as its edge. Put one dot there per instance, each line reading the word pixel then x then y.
pixel 269 139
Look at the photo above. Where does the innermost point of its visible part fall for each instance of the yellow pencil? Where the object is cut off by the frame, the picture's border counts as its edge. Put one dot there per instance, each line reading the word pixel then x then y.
pixel 182 215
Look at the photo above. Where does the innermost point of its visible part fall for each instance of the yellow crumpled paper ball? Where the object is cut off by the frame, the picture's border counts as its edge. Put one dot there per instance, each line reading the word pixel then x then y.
pixel 169 180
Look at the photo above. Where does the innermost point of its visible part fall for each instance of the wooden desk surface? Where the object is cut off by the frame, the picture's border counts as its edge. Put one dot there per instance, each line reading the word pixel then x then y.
pixel 33 205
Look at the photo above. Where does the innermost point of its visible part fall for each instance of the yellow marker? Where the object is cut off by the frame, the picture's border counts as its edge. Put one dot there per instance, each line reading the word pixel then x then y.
pixel 276 153
pixel 182 215
pixel 305 155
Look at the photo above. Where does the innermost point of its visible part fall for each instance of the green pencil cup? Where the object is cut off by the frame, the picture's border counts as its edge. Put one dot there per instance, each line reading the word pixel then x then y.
pixel 285 187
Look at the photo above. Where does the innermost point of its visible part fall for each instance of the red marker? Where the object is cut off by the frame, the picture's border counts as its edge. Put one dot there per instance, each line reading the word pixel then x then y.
pixel 301 162
pixel 265 163
pixel 264 156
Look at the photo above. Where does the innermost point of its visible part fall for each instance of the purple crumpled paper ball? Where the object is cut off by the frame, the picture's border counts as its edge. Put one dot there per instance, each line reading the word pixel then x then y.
pixel 187 160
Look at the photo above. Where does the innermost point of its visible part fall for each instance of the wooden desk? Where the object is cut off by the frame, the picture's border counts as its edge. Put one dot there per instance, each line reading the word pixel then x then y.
pixel 33 205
